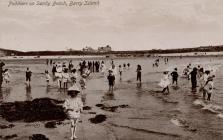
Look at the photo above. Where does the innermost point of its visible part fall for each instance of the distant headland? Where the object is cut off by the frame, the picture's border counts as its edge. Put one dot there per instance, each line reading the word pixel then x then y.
pixel 107 50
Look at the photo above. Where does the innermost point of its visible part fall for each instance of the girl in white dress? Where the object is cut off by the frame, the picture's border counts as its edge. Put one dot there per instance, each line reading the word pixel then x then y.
pixel 65 78
pixel 165 82
pixel 47 75
pixel 6 76
pixel 58 74
pixel 73 107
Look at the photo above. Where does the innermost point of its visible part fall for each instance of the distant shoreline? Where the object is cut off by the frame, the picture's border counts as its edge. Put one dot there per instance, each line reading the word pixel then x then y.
pixel 113 56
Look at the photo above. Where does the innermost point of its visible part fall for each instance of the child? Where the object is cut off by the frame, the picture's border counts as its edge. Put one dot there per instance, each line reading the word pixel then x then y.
pixel 201 78
pixel 138 70
pixel 82 83
pixel 208 88
pixel 128 65
pixel 28 76
pixel 6 76
pixel 65 77
pixel 47 77
pixel 58 74
pixel 164 83
pixel 186 72
pixel 111 80
pixel 73 107
pixel 194 79
pixel 74 76
pixel 120 71
pixel 174 75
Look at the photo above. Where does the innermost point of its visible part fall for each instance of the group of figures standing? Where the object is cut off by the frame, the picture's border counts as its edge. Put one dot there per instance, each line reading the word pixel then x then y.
pixel 198 76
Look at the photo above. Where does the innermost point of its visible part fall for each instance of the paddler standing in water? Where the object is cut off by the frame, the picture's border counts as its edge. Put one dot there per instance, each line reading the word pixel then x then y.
pixel 28 76
pixel 208 88
pixel 194 79
pixel 1 73
pixel 111 80
pixel 165 82
pixel 139 73
pixel 174 75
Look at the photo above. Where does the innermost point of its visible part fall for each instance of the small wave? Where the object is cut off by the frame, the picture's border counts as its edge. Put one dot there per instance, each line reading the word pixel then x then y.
pixel 176 122
pixel 220 115
pixel 199 102
pixel 209 107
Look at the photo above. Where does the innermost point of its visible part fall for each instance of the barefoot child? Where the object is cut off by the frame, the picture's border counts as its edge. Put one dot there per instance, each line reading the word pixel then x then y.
pixel 208 88
pixel 65 77
pixel 6 76
pixel 47 75
pixel 28 76
pixel 174 75
pixel 120 71
pixel 73 107
pixel 111 80
pixel 82 83
pixel 165 82
pixel 139 73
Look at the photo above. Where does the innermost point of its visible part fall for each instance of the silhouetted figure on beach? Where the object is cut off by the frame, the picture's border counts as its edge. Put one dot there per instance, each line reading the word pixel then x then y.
pixel 54 69
pixel 2 64
pixel 174 75
pixel 28 76
pixel 111 80
pixel 194 79
pixel 139 73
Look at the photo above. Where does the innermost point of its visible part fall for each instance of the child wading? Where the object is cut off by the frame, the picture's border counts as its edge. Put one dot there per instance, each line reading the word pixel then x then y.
pixel 208 88
pixel 28 76
pixel 111 80
pixel 47 75
pixel 6 76
pixel 82 83
pixel 165 82
pixel 65 77
pixel 139 73
pixel 194 79
pixel 73 107
pixel 120 71
pixel 174 75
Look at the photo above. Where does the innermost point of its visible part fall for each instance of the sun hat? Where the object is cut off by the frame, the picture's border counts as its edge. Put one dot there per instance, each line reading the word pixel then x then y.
pixel 73 88
pixel 210 78
pixel 84 75
pixel 111 70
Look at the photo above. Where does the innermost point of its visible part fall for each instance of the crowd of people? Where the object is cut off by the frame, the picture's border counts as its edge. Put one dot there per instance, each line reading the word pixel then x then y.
pixel 71 77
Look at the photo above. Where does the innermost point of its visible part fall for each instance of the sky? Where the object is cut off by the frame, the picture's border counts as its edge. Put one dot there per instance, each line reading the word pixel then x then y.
pixel 122 24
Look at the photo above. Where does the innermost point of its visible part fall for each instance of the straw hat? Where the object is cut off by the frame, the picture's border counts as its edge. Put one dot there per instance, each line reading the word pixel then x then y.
pixel 110 70
pixel 84 75
pixel 210 78
pixel 73 88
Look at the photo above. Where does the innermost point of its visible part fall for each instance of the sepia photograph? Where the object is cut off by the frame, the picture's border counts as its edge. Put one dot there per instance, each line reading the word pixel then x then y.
pixel 111 70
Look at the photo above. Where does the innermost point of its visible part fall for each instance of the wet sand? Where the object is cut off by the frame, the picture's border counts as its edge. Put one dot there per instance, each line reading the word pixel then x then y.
pixel 133 111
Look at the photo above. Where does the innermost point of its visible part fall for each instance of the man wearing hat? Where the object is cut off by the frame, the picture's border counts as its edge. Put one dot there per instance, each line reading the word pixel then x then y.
pixel 73 107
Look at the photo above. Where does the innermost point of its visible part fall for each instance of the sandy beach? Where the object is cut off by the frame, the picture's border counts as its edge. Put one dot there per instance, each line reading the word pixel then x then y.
pixel 133 112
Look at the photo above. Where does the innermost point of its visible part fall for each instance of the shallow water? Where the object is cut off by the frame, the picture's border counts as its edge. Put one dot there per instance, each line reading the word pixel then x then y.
pixel 149 115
